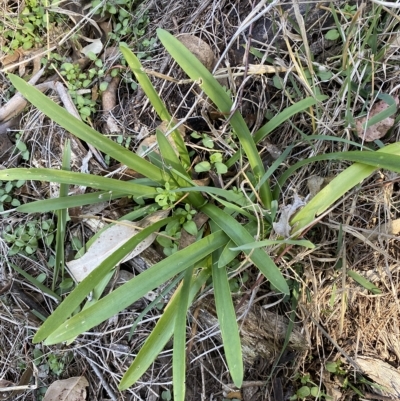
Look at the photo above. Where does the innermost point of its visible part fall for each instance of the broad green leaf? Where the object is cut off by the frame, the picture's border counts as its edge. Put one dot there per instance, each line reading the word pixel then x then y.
pixel 161 334
pixel 72 178
pixel 387 157
pixel 267 242
pixel 364 282
pixel 69 305
pixel 227 322
pixel 240 236
pixel 156 102
pixel 133 290
pixel 196 71
pixel 179 349
pixel 86 133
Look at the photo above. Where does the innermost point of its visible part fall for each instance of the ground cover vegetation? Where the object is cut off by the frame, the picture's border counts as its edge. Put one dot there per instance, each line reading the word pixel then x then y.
pixel 199 201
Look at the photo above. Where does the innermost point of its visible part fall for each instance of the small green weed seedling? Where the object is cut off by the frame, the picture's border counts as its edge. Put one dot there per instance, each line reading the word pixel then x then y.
pixel 21 148
pixel 6 193
pixel 166 395
pixel 28 29
pixel 127 23
pixel 51 363
pixel 215 164
pixel 335 367
pixel 308 389
pixel 172 233
pixel 206 140
pixel 25 239
pixel 77 80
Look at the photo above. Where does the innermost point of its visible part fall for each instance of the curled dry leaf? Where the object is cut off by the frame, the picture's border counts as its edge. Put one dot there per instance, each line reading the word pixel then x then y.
pixel 282 226
pixel 109 241
pixel 72 389
pixel 109 101
pixel 378 130
pixel 96 46
pixel 200 49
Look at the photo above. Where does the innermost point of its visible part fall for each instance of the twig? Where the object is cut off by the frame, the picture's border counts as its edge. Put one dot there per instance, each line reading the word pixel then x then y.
pixel 99 375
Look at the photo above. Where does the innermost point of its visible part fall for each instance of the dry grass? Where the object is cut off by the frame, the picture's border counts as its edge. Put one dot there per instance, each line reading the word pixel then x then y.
pixel 338 318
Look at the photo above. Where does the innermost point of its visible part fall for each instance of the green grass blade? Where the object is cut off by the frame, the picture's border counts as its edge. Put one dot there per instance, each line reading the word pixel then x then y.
pixel 240 236
pixel 196 71
pixel 392 109
pixel 62 219
pixel 227 322
pixel 229 195
pixel 284 115
pixel 66 202
pixel 168 153
pixel 161 334
pixel 267 242
pixel 74 299
pixel 84 132
pixel 156 102
pixel 228 254
pixel 35 282
pixel 279 119
pixel 133 290
pixel 179 349
pixel 387 157
pixel 72 178
pixel 364 282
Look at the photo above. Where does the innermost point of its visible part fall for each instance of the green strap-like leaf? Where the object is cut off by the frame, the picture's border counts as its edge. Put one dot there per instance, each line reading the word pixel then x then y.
pixel 66 202
pixel 227 322
pixel 168 153
pixel 62 219
pixel 364 282
pixel 72 178
pixel 196 71
pixel 133 290
pixel 240 236
pixel 179 350
pixel 278 120
pixel 156 102
pixel 68 306
pixel 228 254
pixel 267 242
pixel 387 157
pixel 86 133
pixel 160 335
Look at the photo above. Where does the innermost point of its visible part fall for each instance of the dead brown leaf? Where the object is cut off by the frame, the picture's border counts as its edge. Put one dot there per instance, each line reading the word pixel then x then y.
pixel 379 129
pixel 72 389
